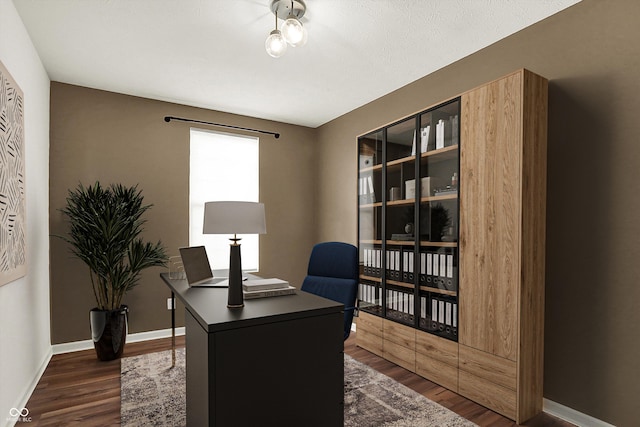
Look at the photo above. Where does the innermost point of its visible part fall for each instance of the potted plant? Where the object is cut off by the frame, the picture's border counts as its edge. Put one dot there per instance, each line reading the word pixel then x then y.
pixel 106 223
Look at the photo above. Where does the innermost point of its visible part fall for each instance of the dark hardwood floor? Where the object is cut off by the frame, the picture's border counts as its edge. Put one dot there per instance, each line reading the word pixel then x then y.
pixel 77 389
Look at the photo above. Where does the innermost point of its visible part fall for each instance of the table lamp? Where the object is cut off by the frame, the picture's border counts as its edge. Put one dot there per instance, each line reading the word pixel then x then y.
pixel 234 218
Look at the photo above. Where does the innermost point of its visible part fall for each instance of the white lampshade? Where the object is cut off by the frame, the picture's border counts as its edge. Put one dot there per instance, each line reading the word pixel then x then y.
pixel 234 218
pixel 275 44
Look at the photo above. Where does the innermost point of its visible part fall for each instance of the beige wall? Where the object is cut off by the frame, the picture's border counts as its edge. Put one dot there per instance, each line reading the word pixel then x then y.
pixel 591 55
pixel 98 135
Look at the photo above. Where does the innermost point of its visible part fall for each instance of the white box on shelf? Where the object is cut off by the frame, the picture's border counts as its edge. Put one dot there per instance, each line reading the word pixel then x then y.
pixel 428 185
pixel 410 189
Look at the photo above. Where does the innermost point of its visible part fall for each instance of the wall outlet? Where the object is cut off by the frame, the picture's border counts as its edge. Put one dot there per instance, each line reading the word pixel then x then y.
pixel 169 305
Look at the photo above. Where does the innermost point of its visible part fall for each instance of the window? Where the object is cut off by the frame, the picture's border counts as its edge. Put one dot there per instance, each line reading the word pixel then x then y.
pixel 223 167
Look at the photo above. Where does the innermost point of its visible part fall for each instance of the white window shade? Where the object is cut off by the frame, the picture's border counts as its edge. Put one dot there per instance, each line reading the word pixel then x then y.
pixel 223 167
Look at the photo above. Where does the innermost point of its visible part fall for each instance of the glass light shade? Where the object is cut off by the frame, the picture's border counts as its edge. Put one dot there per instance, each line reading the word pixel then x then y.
pixel 276 45
pixel 293 31
pixel 302 41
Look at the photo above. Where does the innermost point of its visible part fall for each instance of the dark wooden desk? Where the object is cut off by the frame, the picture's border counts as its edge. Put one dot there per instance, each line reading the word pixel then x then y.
pixel 277 361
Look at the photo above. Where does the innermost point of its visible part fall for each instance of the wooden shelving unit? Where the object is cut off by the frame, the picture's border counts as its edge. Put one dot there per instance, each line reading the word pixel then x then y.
pixel 492 242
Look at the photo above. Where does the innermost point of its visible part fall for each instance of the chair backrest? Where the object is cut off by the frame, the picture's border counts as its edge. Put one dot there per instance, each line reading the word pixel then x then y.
pixel 333 274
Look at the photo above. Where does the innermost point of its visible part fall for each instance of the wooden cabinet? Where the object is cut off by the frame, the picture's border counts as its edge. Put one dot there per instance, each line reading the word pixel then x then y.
pixel 502 239
pixel 437 359
pixel 478 328
pixel 369 334
pixel 399 344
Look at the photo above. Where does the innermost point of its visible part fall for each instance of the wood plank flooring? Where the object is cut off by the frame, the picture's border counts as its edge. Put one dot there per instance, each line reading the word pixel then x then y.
pixel 77 389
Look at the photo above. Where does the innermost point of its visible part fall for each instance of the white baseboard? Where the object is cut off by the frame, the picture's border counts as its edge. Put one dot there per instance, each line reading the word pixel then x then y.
pixel 137 337
pixel 571 415
pixel 22 401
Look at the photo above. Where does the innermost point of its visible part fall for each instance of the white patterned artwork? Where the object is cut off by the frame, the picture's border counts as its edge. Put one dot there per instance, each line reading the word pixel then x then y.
pixel 13 250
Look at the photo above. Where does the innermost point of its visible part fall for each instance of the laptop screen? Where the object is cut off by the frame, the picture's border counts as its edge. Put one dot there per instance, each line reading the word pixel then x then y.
pixel 196 264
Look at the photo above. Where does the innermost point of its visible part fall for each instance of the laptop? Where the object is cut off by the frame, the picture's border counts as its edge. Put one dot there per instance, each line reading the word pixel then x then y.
pixel 197 269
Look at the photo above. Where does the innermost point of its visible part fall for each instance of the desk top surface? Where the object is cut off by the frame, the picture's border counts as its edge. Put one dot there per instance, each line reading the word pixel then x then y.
pixel 209 306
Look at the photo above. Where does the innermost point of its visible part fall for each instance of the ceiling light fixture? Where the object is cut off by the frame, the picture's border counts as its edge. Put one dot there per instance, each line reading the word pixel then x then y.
pixel 293 32
pixel 276 45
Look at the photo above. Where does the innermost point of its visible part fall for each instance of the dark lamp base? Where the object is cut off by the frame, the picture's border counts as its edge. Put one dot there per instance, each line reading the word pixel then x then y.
pixel 236 298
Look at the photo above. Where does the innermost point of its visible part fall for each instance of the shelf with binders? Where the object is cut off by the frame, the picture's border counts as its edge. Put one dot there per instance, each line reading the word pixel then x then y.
pixel 399 265
pixel 438 314
pixel 370 296
pixel 370 262
pixel 438 270
pixel 400 304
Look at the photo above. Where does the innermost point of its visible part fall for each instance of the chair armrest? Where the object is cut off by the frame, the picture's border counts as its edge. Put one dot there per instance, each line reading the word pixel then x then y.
pixel 355 309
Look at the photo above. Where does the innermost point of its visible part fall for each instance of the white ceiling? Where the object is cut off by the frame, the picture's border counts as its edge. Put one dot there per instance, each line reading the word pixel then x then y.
pixel 210 53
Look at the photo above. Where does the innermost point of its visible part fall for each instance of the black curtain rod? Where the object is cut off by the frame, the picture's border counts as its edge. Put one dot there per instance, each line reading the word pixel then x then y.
pixel 169 118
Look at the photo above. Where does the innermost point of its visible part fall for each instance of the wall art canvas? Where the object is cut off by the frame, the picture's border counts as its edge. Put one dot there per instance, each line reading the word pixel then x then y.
pixel 13 249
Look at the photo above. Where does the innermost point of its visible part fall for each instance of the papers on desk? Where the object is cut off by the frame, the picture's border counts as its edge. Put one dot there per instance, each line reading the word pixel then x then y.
pixel 262 288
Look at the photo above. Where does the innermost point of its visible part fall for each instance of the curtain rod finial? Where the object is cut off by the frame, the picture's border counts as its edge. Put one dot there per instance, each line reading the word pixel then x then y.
pixel 167 119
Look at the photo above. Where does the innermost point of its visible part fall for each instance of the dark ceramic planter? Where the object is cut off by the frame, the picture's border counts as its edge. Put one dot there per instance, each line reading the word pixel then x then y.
pixel 109 332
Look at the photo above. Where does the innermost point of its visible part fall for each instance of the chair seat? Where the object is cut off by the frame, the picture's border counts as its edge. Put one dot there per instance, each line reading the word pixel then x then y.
pixel 332 288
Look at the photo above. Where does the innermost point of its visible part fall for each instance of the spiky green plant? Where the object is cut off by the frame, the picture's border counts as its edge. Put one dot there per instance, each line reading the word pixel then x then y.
pixel 106 223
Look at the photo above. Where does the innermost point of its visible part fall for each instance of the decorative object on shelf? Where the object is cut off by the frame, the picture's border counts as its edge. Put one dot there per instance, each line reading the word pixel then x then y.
pixel 292 33
pixel 428 185
pixel 440 220
pixel 106 223
pixel 234 218
pixel 13 221
pixel 394 194
pixel 446 191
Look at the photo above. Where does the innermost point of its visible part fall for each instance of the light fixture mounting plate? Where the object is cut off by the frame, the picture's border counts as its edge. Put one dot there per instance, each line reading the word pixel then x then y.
pixel 283 8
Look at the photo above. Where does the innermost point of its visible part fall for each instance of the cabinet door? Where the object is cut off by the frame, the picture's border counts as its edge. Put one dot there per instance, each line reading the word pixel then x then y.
pixel 490 221
pixel 370 177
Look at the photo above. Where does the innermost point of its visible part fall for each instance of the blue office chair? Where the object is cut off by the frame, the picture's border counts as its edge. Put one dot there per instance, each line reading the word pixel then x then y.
pixel 333 274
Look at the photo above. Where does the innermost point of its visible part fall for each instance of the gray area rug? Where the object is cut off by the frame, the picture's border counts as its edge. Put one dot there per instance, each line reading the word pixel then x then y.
pixel 153 394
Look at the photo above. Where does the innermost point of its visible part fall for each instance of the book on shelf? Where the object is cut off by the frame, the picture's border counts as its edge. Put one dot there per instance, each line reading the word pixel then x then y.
pixel 264 284
pixel 289 290
pixel 366 192
pixel 455 133
pixel 440 134
pixel 446 191
pixel 413 146
pixel 424 139
pixel 372 193
pixel 403 237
